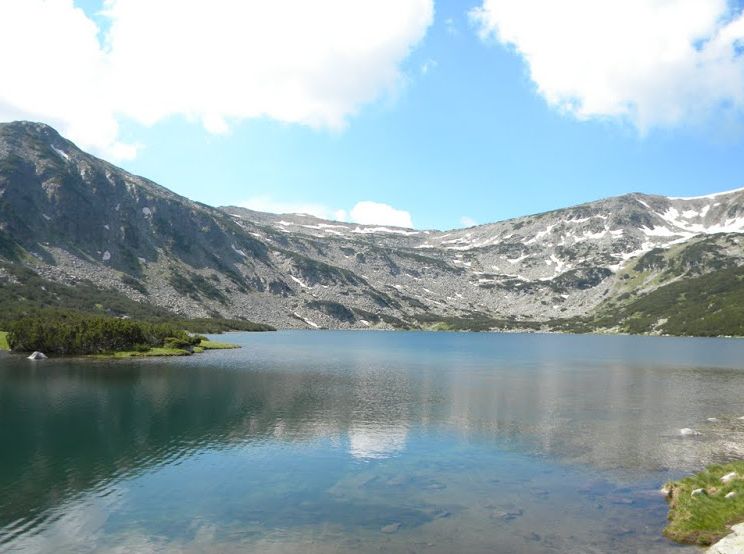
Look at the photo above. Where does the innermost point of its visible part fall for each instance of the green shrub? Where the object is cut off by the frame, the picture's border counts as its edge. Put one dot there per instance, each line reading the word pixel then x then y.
pixel 79 334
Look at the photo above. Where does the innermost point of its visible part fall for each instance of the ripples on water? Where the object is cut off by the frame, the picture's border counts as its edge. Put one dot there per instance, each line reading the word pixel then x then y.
pixel 333 441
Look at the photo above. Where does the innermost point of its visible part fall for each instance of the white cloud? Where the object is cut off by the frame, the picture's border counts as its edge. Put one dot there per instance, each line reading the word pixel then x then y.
pixel 213 61
pixel 52 69
pixel 466 221
pixel 375 213
pixel 364 213
pixel 653 62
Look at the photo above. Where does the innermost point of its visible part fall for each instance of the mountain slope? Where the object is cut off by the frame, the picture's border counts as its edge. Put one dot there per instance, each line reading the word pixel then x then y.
pixel 74 220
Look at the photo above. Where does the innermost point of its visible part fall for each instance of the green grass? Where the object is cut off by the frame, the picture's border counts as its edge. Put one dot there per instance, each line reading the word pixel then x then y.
pixel 4 340
pixel 214 345
pixel 204 345
pixel 153 352
pixel 705 518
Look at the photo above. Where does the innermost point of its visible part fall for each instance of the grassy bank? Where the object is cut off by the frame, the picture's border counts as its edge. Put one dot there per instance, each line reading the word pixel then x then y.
pixel 214 345
pixel 203 346
pixel 72 334
pixel 705 516
pixel 4 340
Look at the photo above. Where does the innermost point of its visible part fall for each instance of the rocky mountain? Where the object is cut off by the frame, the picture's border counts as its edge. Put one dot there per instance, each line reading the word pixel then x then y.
pixel 70 220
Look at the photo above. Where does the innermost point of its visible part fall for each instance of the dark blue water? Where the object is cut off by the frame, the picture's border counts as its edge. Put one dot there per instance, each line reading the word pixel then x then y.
pixel 367 441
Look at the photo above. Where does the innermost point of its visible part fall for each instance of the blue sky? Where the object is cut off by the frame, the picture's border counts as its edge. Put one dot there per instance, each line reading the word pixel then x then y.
pixel 471 131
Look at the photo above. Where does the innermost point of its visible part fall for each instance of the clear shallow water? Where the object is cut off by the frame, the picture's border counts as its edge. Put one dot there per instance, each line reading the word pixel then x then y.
pixel 339 441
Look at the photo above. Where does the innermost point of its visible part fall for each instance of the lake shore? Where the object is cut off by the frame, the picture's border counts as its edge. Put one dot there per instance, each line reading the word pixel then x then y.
pixel 203 346
pixel 703 507
pixel 157 352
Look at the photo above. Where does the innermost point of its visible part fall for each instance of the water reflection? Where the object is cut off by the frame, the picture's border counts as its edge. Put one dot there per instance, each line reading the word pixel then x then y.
pixel 264 442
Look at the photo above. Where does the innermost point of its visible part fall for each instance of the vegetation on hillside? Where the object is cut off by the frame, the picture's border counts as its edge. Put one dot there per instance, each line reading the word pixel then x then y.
pixel 702 506
pixel 708 305
pixel 77 334
pixel 4 341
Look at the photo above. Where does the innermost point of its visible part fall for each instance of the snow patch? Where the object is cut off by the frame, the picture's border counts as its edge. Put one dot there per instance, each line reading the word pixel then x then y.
pixel 716 195
pixel 541 234
pixel 517 260
pixel 658 232
pixel 643 203
pixel 61 153
pixel 306 320
pixel 296 280
pixel 370 230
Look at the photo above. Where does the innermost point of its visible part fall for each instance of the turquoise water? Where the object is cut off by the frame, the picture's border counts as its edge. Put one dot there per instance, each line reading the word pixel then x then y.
pixel 331 441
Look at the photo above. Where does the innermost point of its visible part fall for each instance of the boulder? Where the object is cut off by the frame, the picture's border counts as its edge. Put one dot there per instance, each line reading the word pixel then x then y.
pixel 730 544
pixel 732 494
pixel 687 432
pixel 37 356
pixel 697 492
pixel 728 477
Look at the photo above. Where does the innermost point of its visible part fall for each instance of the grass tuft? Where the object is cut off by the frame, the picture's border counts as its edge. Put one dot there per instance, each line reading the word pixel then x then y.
pixel 214 345
pixel 4 340
pixel 152 352
pixel 704 518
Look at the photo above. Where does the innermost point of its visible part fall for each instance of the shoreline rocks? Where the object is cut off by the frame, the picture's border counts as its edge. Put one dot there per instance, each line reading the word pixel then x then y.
pixel 730 544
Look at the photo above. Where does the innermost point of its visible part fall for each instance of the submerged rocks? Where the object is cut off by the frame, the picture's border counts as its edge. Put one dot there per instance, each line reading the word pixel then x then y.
pixel 507 515
pixel 687 432
pixel 392 528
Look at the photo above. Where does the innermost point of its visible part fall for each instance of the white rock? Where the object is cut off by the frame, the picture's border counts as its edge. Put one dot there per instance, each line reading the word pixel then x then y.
pixel 728 477
pixel 742 417
pixel 687 432
pixel 732 494
pixel 697 492
pixel 712 419
pixel 37 356
pixel 730 544
pixel 392 528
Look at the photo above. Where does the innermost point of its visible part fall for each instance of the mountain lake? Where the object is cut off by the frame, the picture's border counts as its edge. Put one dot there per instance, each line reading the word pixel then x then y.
pixel 339 441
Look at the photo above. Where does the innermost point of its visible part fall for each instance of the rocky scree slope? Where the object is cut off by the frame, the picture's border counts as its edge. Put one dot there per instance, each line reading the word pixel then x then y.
pixel 68 219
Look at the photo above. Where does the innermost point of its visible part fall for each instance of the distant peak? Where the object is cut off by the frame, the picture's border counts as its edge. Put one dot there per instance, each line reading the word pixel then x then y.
pixel 30 128
pixel 705 196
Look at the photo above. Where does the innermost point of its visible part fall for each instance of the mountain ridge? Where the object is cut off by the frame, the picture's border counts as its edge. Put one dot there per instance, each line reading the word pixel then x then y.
pixel 70 218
